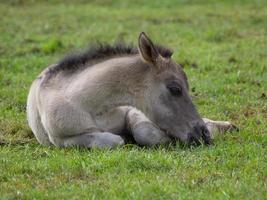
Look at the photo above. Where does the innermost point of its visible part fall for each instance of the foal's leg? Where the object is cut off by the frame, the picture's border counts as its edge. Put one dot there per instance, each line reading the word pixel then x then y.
pixel 94 140
pixel 219 126
pixel 143 130
pixel 67 125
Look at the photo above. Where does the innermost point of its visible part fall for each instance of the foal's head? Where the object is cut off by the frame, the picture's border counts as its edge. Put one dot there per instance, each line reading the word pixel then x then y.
pixel 171 107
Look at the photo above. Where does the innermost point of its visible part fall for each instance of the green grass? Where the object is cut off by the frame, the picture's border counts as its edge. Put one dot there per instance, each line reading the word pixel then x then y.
pixel 223 48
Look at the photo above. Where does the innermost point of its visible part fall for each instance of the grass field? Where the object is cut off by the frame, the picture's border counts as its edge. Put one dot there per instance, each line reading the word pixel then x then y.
pixel 223 48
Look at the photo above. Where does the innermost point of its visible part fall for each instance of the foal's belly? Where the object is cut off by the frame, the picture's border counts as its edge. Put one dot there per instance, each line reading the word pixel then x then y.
pixel 113 121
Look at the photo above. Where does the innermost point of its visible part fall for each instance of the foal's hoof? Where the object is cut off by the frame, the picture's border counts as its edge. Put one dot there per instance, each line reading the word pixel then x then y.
pixel 233 128
pixel 227 127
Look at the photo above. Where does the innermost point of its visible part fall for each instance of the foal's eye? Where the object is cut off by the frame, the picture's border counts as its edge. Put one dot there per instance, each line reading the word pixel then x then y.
pixel 174 89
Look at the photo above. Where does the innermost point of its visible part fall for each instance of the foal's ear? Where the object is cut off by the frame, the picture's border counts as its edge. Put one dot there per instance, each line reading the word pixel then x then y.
pixel 147 49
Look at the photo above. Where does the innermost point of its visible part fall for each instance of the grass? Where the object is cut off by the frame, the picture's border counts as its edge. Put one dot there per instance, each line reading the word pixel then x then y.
pixel 223 48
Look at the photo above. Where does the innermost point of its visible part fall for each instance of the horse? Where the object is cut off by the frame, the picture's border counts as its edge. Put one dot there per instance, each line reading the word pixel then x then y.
pixel 110 95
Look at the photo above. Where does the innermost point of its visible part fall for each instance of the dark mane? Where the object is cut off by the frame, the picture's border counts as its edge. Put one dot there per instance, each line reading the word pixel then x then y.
pixel 78 61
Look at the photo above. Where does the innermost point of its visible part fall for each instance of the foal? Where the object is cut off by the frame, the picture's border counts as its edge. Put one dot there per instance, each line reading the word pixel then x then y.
pixel 110 93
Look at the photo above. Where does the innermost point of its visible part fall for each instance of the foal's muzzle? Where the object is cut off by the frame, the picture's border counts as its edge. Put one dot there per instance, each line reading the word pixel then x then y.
pixel 198 134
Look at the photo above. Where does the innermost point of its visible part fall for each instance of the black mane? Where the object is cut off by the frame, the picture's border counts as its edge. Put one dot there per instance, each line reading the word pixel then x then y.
pixel 77 61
